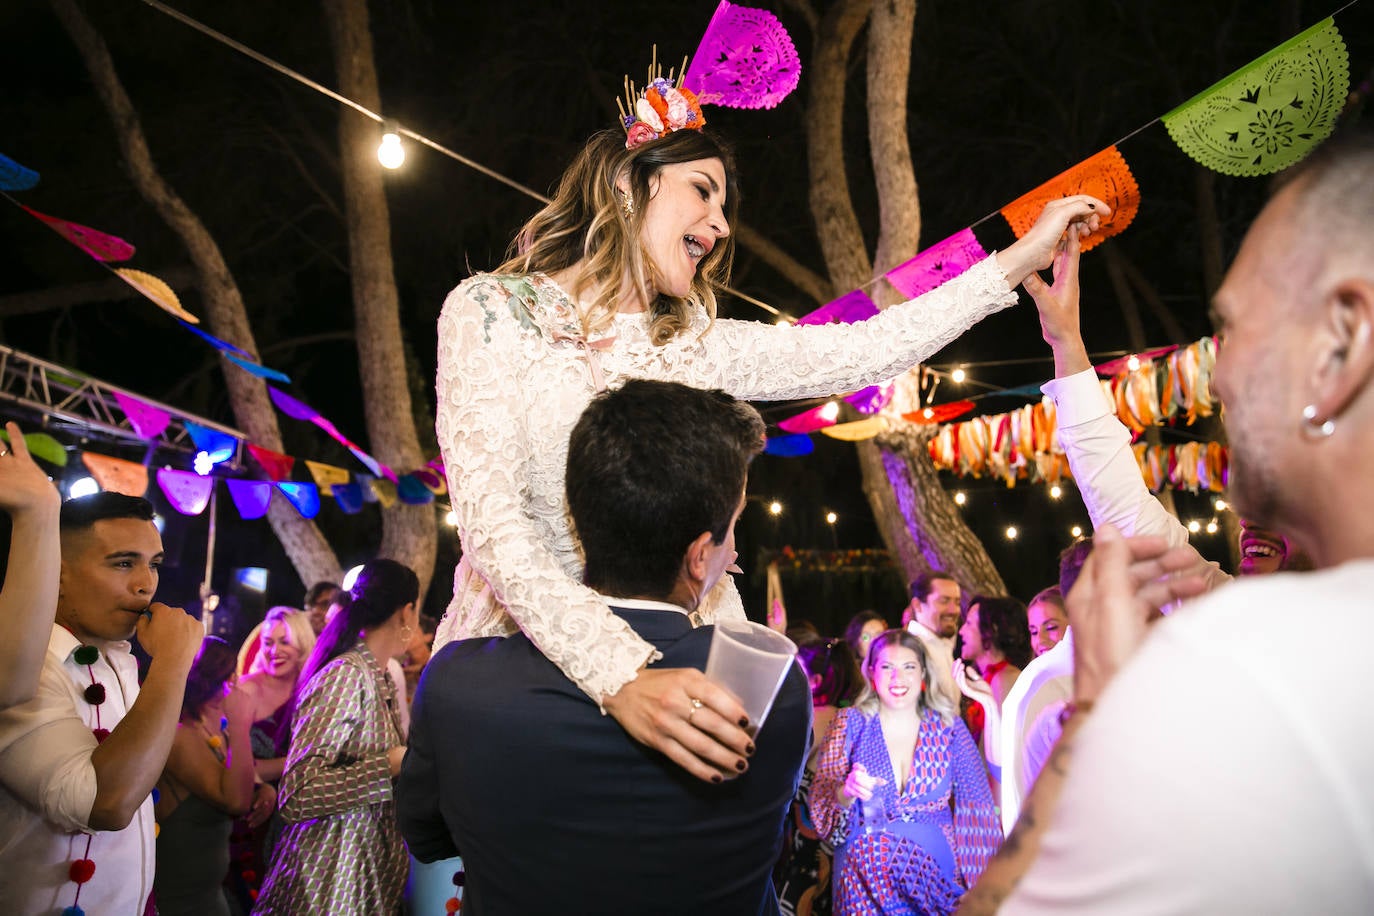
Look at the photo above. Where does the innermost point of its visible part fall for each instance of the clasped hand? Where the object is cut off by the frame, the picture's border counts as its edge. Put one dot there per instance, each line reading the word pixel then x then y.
pixel 707 738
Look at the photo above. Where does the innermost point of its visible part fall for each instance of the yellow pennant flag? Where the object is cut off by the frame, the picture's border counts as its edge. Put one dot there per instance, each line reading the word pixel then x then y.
pixel 156 290
pixel 858 430
pixel 327 475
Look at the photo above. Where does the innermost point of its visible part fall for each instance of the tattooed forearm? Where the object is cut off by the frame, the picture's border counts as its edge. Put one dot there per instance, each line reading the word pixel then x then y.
pixel 1022 846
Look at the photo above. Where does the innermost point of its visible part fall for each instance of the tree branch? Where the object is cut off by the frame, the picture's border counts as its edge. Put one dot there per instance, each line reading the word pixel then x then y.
pixel 88 293
pixel 310 553
pixel 796 273
pixel 889 71
pixel 804 9
pixel 842 241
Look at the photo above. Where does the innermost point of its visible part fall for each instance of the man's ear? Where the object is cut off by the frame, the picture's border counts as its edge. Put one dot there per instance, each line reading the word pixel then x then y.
pixel 697 557
pixel 1346 369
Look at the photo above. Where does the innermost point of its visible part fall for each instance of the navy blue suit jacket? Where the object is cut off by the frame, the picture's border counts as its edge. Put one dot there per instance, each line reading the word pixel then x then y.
pixel 555 809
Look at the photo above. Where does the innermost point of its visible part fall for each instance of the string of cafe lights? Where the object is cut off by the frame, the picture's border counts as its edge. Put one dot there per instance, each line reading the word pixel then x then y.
pixel 391 152
pixel 391 155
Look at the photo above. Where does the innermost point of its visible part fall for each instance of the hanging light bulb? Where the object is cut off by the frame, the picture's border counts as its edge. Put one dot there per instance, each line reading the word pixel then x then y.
pixel 1195 526
pixel 1012 533
pixel 1212 527
pixel 1076 531
pixel 1056 491
pixel 831 518
pixel 960 498
pixel 958 375
pixel 775 508
pixel 391 153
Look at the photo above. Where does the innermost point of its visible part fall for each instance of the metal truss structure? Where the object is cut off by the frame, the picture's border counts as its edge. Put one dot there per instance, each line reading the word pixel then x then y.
pixel 87 406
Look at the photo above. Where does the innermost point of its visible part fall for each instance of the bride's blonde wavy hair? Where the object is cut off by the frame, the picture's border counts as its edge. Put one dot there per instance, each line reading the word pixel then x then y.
pixel 585 224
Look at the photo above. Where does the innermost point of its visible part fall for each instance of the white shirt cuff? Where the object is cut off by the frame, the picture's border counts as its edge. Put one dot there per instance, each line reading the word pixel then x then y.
pixel 1078 398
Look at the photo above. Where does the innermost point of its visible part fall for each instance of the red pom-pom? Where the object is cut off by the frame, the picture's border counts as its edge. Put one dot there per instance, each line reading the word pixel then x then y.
pixel 452 905
pixel 81 870
pixel 100 734
pixel 253 894
pixel 249 875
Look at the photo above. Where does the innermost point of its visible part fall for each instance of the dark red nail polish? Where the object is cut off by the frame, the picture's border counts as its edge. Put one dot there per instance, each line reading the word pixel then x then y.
pixel 749 751
pixel 744 722
pixel 717 779
pixel 741 765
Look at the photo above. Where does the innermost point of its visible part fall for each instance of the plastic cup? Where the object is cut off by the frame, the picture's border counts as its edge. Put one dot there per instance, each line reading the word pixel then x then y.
pixel 750 661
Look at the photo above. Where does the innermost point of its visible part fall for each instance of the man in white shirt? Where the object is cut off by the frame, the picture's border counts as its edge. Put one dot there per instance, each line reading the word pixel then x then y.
pixel 933 617
pixel 78 762
pixel 1253 795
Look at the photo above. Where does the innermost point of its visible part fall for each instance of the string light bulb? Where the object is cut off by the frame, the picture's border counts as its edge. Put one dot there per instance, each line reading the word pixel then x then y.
pixel 830 412
pixel 960 497
pixel 451 519
pixel 1195 526
pixel 391 153
pixel 775 508
pixel 1012 533
pixel 1076 531
pixel 1056 491
pixel 831 518
pixel 1133 363
pixel 1212 527
pixel 1221 505
pixel 958 375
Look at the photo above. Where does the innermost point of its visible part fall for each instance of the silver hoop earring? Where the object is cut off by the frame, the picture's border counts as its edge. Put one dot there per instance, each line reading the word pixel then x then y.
pixel 1311 428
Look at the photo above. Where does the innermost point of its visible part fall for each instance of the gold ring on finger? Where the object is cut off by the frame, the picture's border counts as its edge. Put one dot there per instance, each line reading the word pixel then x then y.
pixel 696 704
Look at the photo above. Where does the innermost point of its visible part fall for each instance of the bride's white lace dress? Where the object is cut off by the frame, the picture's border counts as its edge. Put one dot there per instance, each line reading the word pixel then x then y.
pixel 514 376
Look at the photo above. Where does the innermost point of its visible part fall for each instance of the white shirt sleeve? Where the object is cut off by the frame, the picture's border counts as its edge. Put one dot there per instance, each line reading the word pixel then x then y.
pixel 45 753
pixel 1105 470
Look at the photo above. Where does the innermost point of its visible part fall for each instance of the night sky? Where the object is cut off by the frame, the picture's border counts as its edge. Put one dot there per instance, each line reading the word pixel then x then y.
pixel 1003 96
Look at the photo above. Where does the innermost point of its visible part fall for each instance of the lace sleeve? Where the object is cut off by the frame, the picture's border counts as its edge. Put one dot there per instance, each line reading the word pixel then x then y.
pixel 756 361
pixel 485 357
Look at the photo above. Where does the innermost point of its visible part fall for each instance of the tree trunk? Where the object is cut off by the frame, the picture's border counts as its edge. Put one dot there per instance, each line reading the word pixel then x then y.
pixel 309 552
pixel 919 522
pixel 409 533
pixel 842 241
pixel 924 529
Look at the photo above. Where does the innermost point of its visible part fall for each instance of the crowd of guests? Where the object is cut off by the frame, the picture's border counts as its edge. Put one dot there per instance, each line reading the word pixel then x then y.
pixel 564 739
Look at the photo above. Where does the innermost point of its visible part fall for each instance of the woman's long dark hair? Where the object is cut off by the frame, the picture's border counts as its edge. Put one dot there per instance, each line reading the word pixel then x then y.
pixel 833 661
pixel 1002 624
pixel 214 665
pixel 382 588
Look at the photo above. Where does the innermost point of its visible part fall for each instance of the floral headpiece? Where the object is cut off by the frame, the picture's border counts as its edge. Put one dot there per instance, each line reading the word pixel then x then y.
pixel 660 108
pixel 745 60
